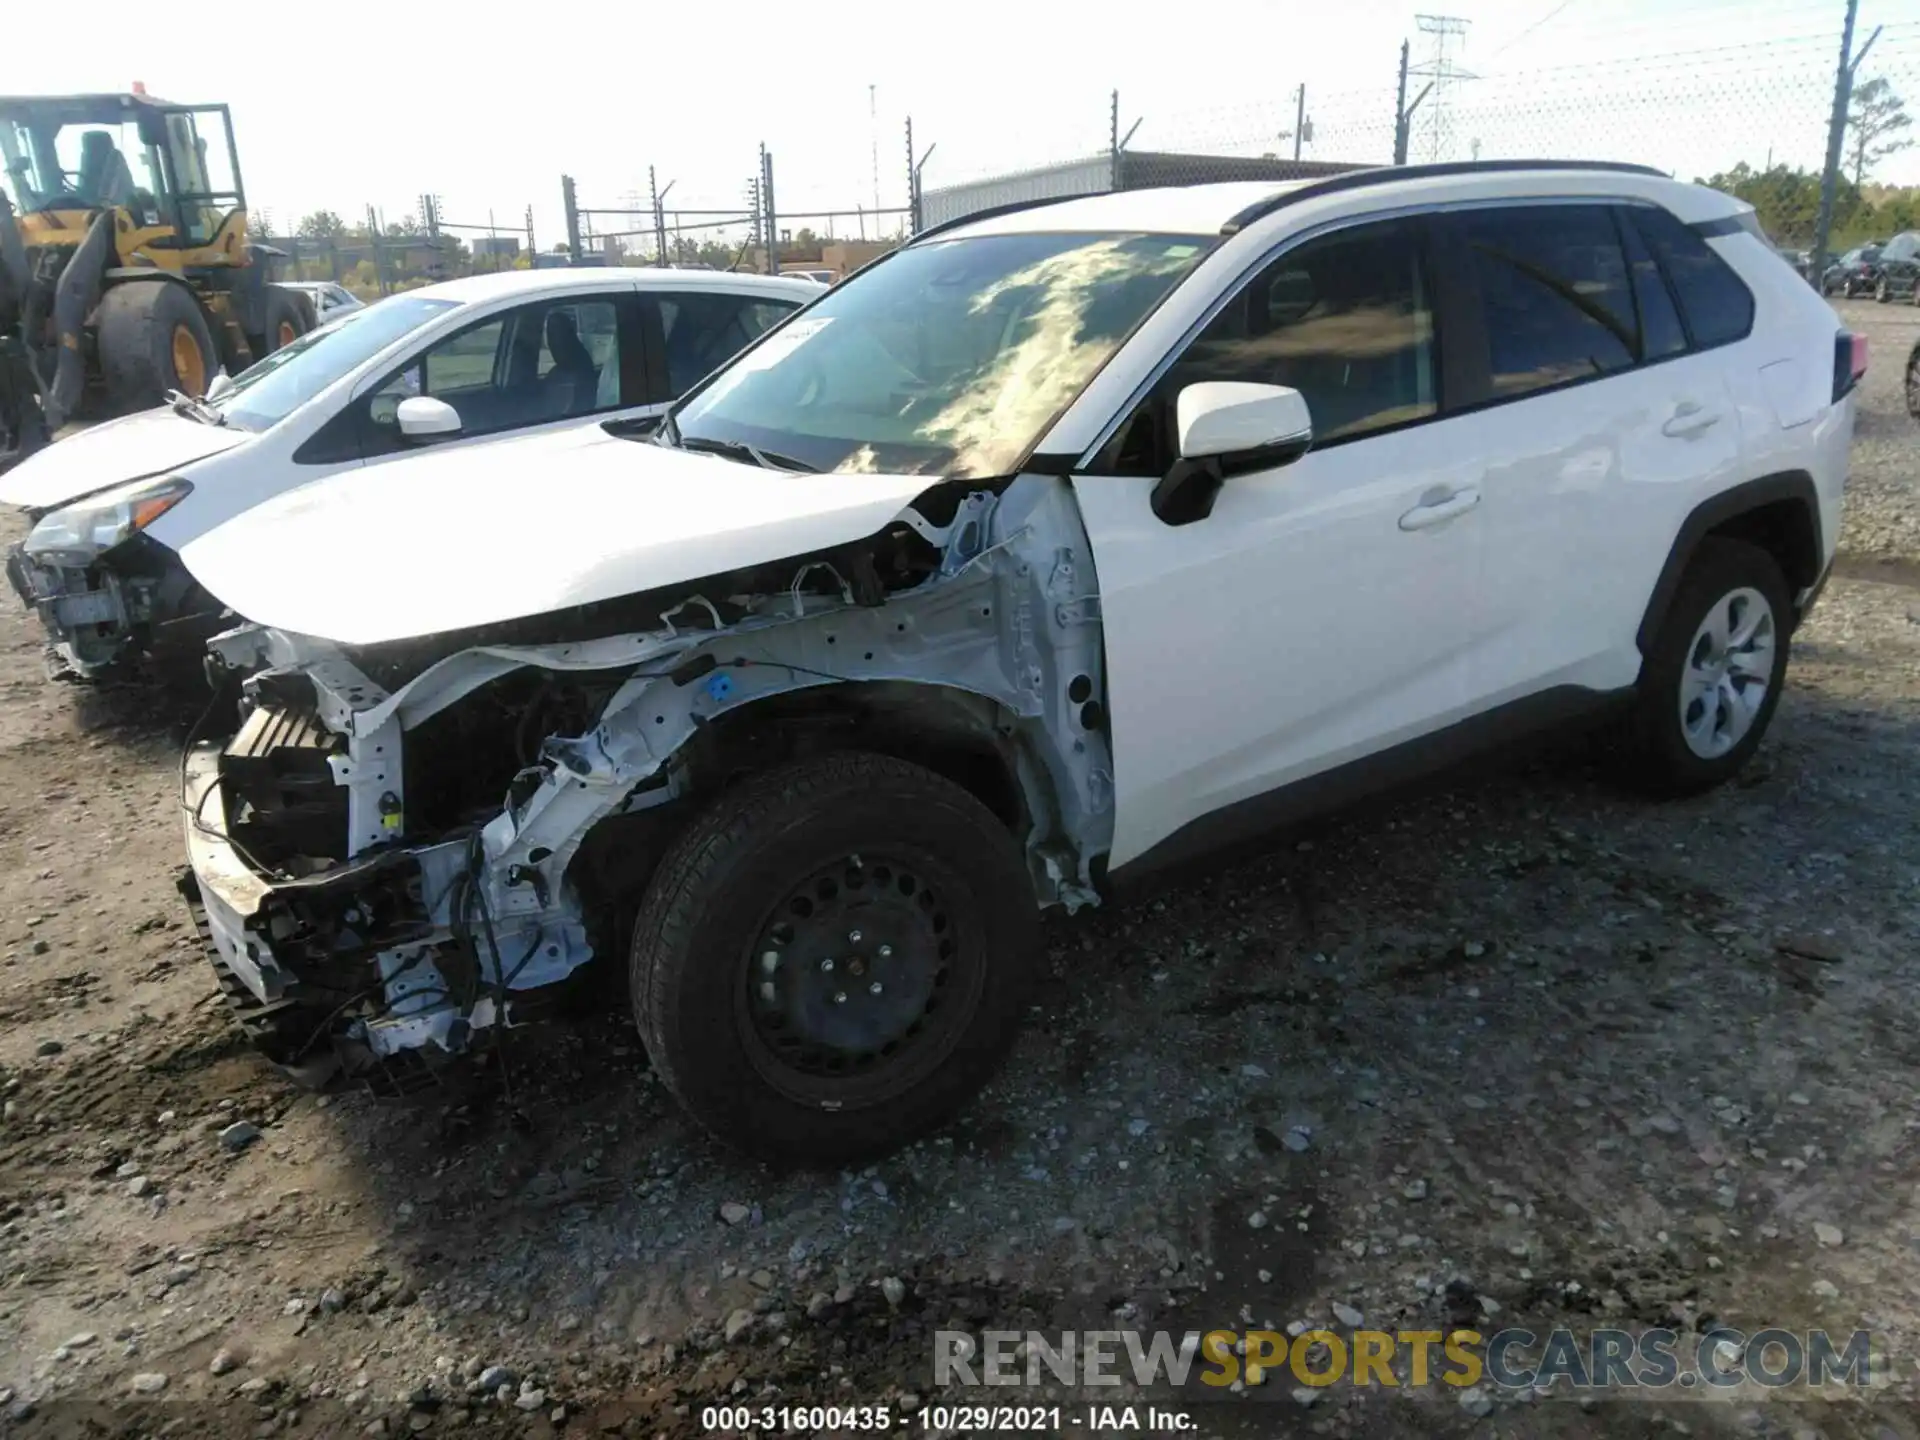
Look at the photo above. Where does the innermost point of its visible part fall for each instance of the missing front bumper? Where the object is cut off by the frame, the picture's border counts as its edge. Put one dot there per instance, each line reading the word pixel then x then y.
pixel 89 625
pixel 394 1007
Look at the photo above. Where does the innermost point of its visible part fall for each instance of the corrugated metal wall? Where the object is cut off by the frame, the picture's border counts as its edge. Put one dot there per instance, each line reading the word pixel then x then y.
pixel 1053 182
pixel 1147 168
pixel 1140 170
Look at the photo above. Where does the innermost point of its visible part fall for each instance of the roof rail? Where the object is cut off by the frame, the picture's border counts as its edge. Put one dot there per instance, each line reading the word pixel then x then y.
pixel 1384 174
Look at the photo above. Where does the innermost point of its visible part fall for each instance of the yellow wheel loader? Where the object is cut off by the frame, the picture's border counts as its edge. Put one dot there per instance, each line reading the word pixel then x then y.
pixel 126 274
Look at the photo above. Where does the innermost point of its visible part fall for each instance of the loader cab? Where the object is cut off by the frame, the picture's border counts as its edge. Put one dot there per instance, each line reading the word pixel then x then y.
pixel 170 170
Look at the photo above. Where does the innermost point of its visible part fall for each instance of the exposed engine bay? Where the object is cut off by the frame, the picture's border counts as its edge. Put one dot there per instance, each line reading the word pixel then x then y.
pixel 401 844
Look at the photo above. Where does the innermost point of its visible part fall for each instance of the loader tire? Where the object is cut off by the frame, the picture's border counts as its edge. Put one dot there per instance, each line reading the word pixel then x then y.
pixel 287 320
pixel 152 338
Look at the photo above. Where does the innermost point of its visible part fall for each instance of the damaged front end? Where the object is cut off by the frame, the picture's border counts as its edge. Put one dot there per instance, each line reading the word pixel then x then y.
pixel 103 589
pixel 405 846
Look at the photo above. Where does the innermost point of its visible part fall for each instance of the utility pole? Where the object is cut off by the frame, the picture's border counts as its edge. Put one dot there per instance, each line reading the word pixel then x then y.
pixel 873 135
pixel 659 217
pixel 1299 118
pixel 1837 136
pixel 1403 111
pixel 379 250
pixel 913 186
pixel 773 222
pixel 572 209
pixel 531 252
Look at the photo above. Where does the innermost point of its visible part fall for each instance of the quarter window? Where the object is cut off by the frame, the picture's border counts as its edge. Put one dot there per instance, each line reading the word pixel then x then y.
pixel 1716 306
pixel 1557 296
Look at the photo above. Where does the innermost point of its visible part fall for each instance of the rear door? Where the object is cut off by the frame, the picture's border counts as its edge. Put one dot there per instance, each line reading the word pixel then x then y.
pixel 1596 424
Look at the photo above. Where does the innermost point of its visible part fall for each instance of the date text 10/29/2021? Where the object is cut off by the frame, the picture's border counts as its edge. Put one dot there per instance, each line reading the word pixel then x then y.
pixel 941 1419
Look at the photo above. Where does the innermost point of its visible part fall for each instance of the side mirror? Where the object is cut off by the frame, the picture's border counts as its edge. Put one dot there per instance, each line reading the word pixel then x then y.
pixel 1227 428
pixel 423 418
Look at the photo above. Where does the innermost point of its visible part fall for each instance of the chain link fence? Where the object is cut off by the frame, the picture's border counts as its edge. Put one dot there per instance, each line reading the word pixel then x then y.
pixel 1752 117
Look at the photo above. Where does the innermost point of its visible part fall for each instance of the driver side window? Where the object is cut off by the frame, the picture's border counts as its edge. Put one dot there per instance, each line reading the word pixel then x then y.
pixel 553 360
pixel 1345 319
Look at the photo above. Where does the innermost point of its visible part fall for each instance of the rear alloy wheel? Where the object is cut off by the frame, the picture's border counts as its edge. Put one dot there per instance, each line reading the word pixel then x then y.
pixel 831 960
pixel 1712 677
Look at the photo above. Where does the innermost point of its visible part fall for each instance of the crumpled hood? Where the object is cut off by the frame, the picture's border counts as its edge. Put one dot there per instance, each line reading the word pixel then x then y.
pixel 496 532
pixel 152 442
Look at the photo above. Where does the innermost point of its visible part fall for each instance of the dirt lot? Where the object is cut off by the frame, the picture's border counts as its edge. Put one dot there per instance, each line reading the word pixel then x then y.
pixel 1524 1048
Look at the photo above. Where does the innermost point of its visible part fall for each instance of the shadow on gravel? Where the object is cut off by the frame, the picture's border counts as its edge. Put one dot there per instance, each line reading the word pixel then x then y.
pixel 1410 998
pixel 152 702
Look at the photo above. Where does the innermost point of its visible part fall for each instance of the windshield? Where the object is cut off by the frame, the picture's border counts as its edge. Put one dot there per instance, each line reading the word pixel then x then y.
pixel 266 393
pixel 51 164
pixel 949 358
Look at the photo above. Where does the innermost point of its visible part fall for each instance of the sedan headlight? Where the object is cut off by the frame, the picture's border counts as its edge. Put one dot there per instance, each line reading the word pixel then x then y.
pixel 75 534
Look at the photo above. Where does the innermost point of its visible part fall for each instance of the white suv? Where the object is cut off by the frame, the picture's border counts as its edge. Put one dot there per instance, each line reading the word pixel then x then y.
pixel 1062 543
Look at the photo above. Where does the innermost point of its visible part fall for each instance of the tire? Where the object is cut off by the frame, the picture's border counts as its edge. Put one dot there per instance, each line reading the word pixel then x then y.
pixel 287 319
pixel 1731 580
pixel 1913 382
pixel 907 855
pixel 151 337
pixel 1880 292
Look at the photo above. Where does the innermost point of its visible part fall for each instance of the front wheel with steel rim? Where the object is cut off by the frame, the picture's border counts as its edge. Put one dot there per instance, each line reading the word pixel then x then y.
pixel 830 960
pixel 1712 676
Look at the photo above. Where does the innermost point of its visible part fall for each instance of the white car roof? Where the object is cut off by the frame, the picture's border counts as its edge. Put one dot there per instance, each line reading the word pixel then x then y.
pixel 1205 209
pixel 507 284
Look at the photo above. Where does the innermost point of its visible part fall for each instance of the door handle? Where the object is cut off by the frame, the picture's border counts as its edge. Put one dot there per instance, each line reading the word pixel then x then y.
pixel 1689 418
pixel 1437 506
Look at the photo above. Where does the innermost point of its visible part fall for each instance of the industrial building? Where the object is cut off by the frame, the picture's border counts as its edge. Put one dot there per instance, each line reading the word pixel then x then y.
pixel 1099 174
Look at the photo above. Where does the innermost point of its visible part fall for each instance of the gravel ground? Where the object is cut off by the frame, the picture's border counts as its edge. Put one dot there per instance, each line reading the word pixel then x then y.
pixel 1521 1047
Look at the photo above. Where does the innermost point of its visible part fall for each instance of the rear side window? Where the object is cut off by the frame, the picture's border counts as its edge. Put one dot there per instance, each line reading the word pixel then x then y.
pixel 1715 304
pixel 1557 293
pixel 702 330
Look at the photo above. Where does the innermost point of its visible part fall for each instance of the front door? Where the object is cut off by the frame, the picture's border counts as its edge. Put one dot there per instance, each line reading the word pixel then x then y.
pixel 1325 610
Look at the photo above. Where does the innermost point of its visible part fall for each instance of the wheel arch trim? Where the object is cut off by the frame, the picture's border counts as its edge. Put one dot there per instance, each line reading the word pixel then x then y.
pixel 1794 487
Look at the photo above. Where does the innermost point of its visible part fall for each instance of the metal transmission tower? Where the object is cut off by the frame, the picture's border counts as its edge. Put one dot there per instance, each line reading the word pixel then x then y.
pixel 1441 70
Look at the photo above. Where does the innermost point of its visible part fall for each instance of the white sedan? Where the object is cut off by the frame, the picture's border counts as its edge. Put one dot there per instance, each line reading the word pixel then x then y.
pixel 452 365
pixel 330 300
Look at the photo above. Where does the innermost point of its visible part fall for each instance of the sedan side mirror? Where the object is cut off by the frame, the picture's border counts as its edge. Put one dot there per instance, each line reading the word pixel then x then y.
pixel 425 419
pixel 1227 428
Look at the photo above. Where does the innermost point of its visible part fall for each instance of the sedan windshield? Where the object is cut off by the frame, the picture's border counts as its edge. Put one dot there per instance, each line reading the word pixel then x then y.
pixel 949 358
pixel 266 393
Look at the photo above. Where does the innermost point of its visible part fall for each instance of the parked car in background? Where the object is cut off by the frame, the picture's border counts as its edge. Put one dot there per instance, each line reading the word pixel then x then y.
pixel 1913 381
pixel 824 277
pixel 1899 277
pixel 1854 273
pixel 1063 543
pixel 330 301
pixel 455 365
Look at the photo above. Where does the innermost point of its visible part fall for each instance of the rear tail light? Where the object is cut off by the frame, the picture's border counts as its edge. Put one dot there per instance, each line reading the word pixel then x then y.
pixel 1849 362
